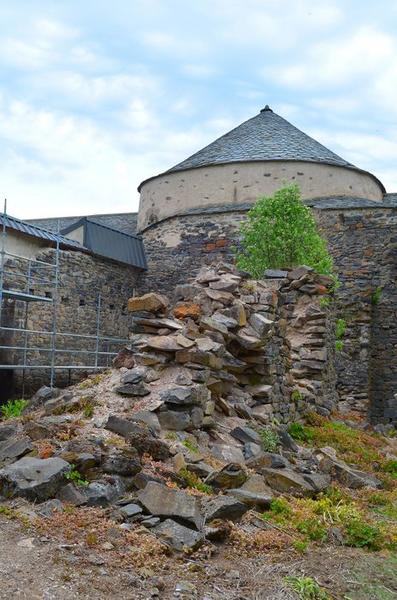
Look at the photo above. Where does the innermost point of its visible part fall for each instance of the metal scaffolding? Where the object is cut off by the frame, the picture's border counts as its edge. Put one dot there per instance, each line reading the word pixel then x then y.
pixel 16 284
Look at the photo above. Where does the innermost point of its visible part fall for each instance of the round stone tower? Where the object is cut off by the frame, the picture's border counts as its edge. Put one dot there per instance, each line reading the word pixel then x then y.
pixel 189 214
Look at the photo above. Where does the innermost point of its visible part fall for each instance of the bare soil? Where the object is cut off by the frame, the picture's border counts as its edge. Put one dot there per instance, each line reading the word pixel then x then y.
pixel 36 567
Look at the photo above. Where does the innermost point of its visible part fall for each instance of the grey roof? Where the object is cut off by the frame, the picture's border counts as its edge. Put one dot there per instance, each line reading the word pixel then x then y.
pixel 110 243
pixel 37 232
pixel 126 222
pixel 265 137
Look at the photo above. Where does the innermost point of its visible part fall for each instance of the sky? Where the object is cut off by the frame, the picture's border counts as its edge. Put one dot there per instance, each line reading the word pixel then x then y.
pixel 96 96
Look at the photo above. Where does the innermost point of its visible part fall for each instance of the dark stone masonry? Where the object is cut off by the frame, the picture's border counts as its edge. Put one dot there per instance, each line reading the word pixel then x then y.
pixel 81 278
pixel 363 241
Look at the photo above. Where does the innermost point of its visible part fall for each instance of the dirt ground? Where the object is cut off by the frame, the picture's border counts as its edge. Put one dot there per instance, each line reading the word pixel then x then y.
pixel 36 567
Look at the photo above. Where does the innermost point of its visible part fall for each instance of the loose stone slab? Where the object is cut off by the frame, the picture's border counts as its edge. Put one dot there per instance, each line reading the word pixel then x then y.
pixel 36 479
pixel 162 501
pixel 177 536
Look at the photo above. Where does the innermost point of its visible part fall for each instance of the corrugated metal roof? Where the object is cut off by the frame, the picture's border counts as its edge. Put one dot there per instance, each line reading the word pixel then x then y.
pixel 37 232
pixel 110 243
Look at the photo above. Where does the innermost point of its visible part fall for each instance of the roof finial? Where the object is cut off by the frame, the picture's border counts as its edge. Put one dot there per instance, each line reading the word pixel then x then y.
pixel 266 109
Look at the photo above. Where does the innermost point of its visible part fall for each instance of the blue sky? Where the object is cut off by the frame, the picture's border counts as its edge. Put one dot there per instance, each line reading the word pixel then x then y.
pixel 96 96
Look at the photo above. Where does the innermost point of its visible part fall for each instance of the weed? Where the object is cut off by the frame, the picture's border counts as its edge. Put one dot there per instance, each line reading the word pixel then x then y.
pixel 190 445
pixel 75 476
pixel 325 301
pixel 390 466
pixel 300 432
pixel 376 296
pixel 300 546
pixel 340 329
pixel 296 396
pixel 171 435
pixel 339 345
pixel 193 481
pixel 270 439
pixel 307 588
pixel 13 408
pixel 91 381
pixel 280 511
pixel 361 534
pixel 312 529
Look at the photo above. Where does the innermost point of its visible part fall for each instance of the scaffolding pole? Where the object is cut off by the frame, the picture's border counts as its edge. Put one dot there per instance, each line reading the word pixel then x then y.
pixel 15 279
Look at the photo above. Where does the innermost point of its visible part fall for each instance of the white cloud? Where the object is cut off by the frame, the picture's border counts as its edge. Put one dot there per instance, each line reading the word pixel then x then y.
pixel 340 61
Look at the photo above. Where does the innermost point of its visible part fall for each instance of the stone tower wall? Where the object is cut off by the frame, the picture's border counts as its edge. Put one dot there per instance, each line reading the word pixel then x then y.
pixel 232 184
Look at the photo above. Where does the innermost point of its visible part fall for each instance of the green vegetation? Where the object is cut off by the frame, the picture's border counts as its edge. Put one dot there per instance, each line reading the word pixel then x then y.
pixel 339 345
pixel 377 295
pixel 13 408
pixel 312 519
pixel 191 446
pixel 280 231
pixel 325 301
pixel 296 396
pixel 270 439
pixel 75 476
pixel 360 534
pixel 193 481
pixel 300 432
pixel 340 329
pixel 307 588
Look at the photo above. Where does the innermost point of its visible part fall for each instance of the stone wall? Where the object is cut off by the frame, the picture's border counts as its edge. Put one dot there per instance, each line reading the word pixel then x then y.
pixel 264 348
pixel 81 278
pixel 362 239
pixel 363 242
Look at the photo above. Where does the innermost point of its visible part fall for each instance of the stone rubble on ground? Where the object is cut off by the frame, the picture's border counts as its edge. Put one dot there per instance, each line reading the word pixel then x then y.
pixel 202 378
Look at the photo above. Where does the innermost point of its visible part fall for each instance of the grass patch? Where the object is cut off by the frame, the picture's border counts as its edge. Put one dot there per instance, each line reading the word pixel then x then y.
pixel 300 432
pixel 193 481
pixel 310 520
pixel 307 588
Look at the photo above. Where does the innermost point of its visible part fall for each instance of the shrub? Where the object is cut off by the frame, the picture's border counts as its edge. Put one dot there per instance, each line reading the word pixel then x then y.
pixel 270 439
pixel 300 432
pixel 339 345
pixel 279 232
pixel 13 408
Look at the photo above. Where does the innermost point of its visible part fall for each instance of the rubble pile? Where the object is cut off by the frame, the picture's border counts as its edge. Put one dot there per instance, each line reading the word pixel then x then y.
pixel 175 437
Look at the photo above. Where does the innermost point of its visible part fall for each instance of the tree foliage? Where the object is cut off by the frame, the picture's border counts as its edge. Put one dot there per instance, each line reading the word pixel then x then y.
pixel 280 232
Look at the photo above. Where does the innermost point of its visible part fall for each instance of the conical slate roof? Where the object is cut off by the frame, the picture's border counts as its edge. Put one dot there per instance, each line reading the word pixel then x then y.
pixel 267 136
